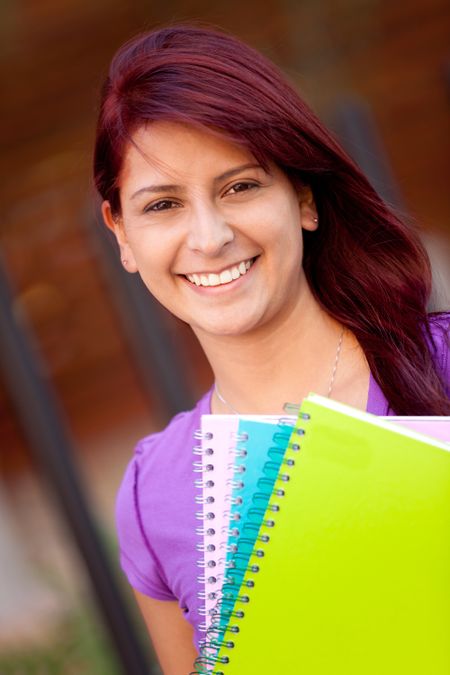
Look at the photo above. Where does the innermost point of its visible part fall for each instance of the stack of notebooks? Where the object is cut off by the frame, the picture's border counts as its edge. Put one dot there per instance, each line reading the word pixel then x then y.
pixel 325 543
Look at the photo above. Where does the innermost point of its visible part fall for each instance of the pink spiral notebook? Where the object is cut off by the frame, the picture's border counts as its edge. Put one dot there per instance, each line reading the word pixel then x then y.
pixel 436 427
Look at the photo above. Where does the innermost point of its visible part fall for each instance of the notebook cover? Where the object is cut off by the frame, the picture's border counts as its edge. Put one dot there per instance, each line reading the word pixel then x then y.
pixel 436 427
pixel 355 578
pixel 262 448
pixel 231 442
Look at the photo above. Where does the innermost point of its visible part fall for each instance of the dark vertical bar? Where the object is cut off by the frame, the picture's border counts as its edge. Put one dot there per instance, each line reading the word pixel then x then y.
pixel 353 122
pixel 356 128
pixel 159 360
pixel 43 424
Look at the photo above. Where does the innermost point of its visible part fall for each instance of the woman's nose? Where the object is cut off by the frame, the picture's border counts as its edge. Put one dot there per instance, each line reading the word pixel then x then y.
pixel 209 232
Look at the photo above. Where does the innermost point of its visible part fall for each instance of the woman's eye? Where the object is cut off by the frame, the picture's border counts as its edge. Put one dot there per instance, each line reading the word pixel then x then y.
pixel 161 205
pixel 242 186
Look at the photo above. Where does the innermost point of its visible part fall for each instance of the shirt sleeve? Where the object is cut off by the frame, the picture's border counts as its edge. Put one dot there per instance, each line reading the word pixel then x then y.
pixel 137 558
pixel 440 331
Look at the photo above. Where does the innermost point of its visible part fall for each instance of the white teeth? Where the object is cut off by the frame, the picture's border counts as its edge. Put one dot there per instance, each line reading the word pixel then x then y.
pixel 223 278
pixel 214 279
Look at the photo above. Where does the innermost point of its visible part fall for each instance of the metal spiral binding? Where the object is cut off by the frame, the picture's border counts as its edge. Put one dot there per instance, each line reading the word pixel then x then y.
pixel 199 435
pixel 212 561
pixel 245 541
pixel 204 465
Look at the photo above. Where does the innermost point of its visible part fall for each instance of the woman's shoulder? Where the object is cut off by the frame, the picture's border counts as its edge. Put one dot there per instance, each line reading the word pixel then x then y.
pixel 177 432
pixel 439 340
pixel 439 331
pixel 440 323
pixel 155 504
pixel 165 453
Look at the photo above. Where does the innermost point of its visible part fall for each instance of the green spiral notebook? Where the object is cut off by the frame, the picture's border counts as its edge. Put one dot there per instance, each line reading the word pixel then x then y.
pixel 355 577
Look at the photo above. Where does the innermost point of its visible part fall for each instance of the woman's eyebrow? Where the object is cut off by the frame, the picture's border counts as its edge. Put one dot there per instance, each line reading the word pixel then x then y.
pixel 177 188
pixel 156 188
pixel 232 172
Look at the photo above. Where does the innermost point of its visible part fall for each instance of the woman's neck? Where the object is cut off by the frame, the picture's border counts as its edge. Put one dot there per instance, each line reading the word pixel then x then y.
pixel 281 361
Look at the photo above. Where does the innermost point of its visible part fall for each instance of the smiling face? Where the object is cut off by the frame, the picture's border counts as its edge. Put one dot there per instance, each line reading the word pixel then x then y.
pixel 216 239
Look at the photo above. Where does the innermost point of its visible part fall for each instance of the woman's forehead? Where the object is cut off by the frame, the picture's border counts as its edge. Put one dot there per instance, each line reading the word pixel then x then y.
pixel 176 151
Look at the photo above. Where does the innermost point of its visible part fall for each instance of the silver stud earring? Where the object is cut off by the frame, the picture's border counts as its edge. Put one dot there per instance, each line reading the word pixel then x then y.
pixel 315 219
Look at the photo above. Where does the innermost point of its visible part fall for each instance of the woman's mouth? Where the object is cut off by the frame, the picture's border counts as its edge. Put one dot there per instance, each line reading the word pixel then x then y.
pixel 226 276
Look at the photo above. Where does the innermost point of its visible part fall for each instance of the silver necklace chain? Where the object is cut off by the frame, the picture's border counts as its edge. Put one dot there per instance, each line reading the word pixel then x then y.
pixel 330 388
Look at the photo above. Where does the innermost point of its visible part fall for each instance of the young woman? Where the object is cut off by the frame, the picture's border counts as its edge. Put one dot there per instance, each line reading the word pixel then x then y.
pixel 246 219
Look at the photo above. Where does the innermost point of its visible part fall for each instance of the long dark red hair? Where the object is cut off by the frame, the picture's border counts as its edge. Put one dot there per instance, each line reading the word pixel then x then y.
pixel 365 267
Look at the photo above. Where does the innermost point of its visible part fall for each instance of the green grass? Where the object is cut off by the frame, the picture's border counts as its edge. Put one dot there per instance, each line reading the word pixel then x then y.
pixel 80 645
pixel 78 648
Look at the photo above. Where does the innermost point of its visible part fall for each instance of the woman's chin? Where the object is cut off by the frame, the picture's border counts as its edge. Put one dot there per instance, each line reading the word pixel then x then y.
pixel 233 327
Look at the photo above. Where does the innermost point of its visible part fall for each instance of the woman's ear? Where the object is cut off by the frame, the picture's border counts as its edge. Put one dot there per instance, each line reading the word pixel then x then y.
pixel 308 212
pixel 115 224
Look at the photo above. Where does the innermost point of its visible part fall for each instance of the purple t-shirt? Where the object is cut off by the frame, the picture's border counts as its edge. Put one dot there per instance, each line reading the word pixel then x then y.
pixel 155 510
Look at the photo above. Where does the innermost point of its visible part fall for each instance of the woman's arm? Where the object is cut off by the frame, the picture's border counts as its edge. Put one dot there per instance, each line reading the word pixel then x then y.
pixel 171 634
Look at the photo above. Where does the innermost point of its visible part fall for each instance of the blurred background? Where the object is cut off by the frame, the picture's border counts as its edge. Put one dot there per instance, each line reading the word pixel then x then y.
pixel 89 362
